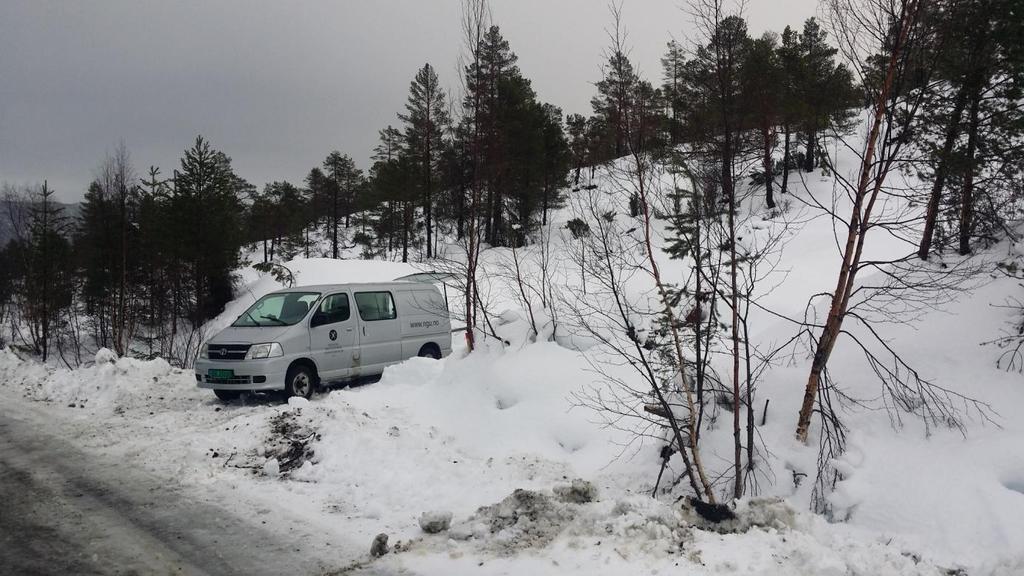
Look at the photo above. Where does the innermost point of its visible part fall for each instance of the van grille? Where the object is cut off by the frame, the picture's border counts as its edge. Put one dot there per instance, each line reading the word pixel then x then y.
pixel 227 351
pixel 232 380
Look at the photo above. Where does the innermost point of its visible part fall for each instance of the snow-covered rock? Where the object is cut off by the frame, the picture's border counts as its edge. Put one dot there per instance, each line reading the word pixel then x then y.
pixel 298 402
pixel 435 521
pixel 271 468
pixel 578 492
pixel 105 356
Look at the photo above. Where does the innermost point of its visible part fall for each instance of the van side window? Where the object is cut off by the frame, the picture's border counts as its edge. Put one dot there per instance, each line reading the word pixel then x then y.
pixel 376 306
pixel 333 308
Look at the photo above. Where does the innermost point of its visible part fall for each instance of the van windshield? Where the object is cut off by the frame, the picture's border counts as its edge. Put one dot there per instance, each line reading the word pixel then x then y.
pixel 279 309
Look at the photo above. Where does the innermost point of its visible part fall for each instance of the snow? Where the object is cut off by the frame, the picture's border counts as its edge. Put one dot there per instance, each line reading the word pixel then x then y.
pixel 501 445
pixel 111 385
pixel 271 468
pixel 105 356
pixel 298 402
pixel 435 521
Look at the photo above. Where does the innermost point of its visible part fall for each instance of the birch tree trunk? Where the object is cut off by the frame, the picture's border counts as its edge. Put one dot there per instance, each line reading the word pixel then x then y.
pixel 865 194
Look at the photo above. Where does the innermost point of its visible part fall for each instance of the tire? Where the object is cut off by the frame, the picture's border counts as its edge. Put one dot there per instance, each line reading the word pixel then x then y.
pixel 430 351
pixel 300 382
pixel 227 395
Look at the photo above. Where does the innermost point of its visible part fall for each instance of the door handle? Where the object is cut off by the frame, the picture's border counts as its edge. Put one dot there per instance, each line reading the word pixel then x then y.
pixel 364 330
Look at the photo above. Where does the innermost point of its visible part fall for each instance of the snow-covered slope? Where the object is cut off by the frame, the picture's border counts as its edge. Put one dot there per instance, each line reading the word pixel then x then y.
pixel 467 432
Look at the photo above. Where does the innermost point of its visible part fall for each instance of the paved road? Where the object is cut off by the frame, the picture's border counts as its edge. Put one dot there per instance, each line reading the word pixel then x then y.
pixel 65 512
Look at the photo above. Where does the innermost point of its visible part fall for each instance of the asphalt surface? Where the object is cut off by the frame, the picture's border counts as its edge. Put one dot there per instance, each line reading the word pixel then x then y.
pixel 63 511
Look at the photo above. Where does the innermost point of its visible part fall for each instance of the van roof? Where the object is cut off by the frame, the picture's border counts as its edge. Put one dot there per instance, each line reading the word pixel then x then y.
pixel 329 287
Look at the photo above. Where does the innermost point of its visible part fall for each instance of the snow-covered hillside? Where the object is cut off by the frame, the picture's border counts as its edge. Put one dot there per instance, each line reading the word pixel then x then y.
pixel 464 434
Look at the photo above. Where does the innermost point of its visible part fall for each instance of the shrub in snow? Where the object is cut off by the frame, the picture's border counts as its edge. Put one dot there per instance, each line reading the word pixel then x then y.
pixel 579 492
pixel 106 356
pixel 436 521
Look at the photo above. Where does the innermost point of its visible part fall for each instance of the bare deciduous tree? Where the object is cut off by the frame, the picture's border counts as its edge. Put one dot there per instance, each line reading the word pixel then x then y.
pixel 881 41
pixel 475 20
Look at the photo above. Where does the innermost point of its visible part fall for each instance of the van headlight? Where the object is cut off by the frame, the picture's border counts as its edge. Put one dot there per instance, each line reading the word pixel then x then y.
pixel 204 351
pixel 260 351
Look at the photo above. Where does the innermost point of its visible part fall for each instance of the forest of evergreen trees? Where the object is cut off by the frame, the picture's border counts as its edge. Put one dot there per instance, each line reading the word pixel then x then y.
pixel 150 257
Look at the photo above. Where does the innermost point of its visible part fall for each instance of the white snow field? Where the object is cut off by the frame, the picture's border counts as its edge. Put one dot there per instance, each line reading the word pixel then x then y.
pixel 497 439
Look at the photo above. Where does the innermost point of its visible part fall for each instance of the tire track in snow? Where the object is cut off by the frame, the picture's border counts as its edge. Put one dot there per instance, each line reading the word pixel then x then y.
pixel 64 511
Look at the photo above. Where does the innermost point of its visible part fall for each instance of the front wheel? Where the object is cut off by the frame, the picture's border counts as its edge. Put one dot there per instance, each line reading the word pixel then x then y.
pixel 299 382
pixel 227 395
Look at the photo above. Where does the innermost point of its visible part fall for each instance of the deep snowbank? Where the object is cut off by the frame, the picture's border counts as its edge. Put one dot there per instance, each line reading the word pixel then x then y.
pixel 107 385
pixel 467 432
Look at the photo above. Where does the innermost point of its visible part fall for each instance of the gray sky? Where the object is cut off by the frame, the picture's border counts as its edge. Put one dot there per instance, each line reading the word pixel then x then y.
pixel 276 85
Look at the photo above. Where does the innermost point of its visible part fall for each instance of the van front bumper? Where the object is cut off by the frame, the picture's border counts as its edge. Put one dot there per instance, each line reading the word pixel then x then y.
pixel 266 374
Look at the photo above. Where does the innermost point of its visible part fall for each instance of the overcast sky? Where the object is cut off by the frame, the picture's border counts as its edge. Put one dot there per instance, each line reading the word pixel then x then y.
pixel 276 85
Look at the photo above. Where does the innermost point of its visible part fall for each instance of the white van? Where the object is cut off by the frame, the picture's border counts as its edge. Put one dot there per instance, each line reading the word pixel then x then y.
pixel 295 339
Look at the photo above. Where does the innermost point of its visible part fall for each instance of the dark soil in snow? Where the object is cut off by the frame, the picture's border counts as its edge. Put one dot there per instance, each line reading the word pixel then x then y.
pixel 291 440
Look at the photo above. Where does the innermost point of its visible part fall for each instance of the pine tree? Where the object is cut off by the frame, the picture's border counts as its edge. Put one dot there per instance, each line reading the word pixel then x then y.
pixel 48 286
pixel 504 136
pixel 488 77
pixel 426 120
pixel 791 105
pixel 10 274
pixel 159 281
pixel 555 157
pixel 260 215
pixel 713 87
pixel 106 241
pixel 975 152
pixel 290 220
pixel 762 75
pixel 95 248
pixel 207 195
pixel 318 200
pixel 390 146
pixel 457 179
pixel 277 219
pixel 343 181
pixel 673 66
pixel 390 143
pixel 615 91
pixel 576 128
pixel 826 88
pixel 394 181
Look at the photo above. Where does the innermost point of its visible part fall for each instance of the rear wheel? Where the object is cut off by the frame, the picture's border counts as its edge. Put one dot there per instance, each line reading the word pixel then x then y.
pixel 299 382
pixel 227 395
pixel 430 351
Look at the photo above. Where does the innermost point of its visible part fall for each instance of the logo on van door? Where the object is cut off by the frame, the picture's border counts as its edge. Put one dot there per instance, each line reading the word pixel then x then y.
pixel 333 334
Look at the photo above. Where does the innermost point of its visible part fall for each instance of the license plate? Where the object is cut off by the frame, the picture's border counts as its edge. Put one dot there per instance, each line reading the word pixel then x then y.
pixel 221 374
